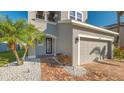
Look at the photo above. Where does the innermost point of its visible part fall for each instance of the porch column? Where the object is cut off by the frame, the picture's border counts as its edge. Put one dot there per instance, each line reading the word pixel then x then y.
pixel 45 15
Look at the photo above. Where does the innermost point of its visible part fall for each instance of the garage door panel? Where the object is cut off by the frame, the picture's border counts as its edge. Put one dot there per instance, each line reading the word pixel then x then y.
pixel 92 50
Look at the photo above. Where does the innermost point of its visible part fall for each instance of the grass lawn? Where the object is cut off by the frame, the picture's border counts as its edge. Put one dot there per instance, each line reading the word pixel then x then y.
pixel 8 57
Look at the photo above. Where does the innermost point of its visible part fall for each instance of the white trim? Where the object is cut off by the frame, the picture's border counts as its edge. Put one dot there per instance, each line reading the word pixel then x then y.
pixel 68 14
pixel 52 36
pixel 94 37
pixel 78 51
pixel 40 44
pixel 31 56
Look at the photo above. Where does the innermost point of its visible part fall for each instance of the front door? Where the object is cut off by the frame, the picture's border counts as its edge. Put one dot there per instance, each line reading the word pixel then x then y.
pixel 48 45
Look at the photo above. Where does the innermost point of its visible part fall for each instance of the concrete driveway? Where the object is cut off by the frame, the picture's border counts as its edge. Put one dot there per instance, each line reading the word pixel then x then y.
pixel 105 70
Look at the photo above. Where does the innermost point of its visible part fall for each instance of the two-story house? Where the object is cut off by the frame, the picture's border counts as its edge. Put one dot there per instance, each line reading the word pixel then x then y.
pixel 67 32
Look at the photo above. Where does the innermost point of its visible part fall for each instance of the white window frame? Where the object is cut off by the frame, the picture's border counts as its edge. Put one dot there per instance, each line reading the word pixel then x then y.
pixel 81 16
pixel 72 15
pixel 75 15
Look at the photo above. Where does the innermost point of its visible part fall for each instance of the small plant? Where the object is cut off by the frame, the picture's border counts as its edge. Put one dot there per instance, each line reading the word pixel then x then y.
pixel 3 61
pixel 118 53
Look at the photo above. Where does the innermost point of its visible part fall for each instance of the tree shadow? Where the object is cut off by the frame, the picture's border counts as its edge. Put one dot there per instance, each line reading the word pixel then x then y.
pixel 101 53
pixel 106 63
pixel 50 61
pixel 96 50
pixel 33 60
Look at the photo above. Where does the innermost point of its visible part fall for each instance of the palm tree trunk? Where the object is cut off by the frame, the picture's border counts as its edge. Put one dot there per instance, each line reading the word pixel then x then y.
pixel 26 50
pixel 12 47
pixel 16 55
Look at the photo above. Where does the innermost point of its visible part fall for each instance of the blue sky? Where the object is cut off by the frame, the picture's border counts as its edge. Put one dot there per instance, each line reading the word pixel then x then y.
pixel 98 18
pixel 15 15
pixel 102 18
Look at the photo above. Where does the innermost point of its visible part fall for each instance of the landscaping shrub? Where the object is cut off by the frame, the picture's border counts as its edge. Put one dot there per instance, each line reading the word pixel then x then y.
pixel 118 53
pixel 65 59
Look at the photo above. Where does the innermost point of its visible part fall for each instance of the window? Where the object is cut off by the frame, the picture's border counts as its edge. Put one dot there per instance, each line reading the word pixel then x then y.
pixel 75 15
pixel 40 15
pixel 52 16
pixel 79 16
pixel 72 15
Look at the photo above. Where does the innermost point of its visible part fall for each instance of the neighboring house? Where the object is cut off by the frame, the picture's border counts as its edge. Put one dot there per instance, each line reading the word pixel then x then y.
pixel 3 47
pixel 66 32
pixel 114 27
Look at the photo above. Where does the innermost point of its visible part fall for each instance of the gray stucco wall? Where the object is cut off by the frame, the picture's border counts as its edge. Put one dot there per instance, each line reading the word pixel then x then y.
pixel 85 16
pixel 64 15
pixel 47 28
pixel 31 52
pixel 31 15
pixel 85 31
pixel 64 39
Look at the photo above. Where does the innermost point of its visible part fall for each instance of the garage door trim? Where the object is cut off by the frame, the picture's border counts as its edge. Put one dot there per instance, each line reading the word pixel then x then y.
pixel 90 37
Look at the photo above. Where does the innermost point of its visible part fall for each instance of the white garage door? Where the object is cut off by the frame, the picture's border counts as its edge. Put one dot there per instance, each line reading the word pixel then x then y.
pixel 93 50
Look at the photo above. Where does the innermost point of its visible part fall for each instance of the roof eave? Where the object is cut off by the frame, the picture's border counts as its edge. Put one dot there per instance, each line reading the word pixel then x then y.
pixel 93 27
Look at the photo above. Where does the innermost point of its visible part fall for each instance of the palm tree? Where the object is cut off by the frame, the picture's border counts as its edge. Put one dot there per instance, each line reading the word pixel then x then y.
pixel 30 35
pixel 19 32
pixel 119 14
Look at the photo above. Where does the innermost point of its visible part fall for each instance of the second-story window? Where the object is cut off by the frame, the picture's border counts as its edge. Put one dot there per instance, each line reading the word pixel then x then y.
pixel 72 15
pixel 75 15
pixel 52 16
pixel 40 15
pixel 79 16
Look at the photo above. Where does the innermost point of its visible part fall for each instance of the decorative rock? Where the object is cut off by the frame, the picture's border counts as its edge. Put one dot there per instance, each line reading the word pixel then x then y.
pixel 75 70
pixel 29 71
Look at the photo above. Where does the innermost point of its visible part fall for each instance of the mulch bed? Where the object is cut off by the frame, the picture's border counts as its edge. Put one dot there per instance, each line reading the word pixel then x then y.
pixel 110 70
pixel 64 59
